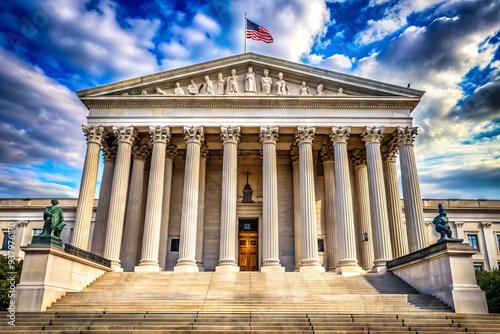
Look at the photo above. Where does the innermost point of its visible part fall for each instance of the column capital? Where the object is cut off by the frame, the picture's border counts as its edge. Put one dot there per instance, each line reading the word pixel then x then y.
pixel 171 151
pixel 405 136
pixel 327 153
pixel 230 134
pixel 486 224
pixel 390 151
pixel 140 152
pixel 95 134
pixel 372 134
pixel 305 134
pixel 205 153
pixel 109 152
pixel 359 157
pixel 125 134
pixel 160 134
pixel 23 223
pixel 340 134
pixel 459 224
pixel 193 134
pixel 294 153
pixel 269 134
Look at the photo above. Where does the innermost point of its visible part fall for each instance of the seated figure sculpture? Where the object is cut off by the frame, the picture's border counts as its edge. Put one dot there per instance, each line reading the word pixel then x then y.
pixel 441 222
pixel 53 219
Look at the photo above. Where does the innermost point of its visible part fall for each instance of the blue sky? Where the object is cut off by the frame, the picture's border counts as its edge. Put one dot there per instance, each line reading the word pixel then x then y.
pixel 51 48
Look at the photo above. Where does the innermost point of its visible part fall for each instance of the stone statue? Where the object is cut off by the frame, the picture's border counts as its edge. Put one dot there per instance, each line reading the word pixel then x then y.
pixel 266 82
pixel 53 220
pixel 319 90
pixel 304 89
pixel 220 84
pixel 207 87
pixel 160 91
pixel 250 84
pixel 340 92
pixel 178 89
pixel 144 92
pixel 232 83
pixel 192 88
pixel 281 85
pixel 442 227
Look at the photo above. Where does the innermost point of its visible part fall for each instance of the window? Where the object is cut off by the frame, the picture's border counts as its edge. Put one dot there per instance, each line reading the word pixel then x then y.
pixel 498 243
pixel 478 266
pixel 5 243
pixel 472 238
pixel 174 245
pixel 321 245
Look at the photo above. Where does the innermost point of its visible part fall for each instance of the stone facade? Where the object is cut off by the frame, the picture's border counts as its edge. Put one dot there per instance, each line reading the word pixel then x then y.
pixel 316 204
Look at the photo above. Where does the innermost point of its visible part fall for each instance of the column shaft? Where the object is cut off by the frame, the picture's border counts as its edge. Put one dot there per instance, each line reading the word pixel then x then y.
pixel 361 174
pixel 310 255
pixel 160 135
pixel 414 212
pixel 271 261
pixel 201 209
pixel 101 216
pixel 95 136
pixel 330 212
pixel 189 218
pixel 348 262
pixel 165 211
pixel 132 226
pixel 227 254
pixel 297 229
pixel 378 201
pixel 126 136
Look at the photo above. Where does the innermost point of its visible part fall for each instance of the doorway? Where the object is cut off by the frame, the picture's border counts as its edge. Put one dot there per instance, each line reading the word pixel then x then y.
pixel 248 245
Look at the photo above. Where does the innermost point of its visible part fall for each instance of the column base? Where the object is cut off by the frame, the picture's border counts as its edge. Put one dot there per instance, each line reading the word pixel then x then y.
pixel 186 269
pixel 379 266
pixel 272 269
pixel 312 269
pixel 116 266
pixel 227 269
pixel 147 268
pixel 349 267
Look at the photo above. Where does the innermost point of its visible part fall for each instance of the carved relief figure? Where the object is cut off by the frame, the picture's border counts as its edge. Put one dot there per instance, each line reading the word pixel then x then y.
pixel 207 86
pixel 281 85
pixel 232 83
pixel 178 89
pixel 250 84
pixel 144 92
pixel 267 82
pixel 319 90
pixel 160 91
pixel 192 88
pixel 220 84
pixel 340 92
pixel 304 89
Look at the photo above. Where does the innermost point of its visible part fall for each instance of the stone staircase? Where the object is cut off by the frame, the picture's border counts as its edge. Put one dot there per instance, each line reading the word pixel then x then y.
pixel 231 303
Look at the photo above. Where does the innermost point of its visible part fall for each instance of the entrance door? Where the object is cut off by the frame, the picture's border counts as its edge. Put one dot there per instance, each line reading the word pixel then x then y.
pixel 248 251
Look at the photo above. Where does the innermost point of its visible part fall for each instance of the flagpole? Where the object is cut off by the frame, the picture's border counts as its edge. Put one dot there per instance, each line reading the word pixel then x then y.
pixel 245 34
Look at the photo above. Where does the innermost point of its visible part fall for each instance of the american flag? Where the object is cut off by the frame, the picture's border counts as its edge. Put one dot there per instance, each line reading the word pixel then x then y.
pixel 258 33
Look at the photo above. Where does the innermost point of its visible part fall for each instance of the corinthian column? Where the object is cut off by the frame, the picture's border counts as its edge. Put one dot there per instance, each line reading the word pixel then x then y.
pixel 310 256
pixel 396 228
pixel 95 137
pixel 271 261
pixel 165 211
pixel 414 212
pixel 132 227
pixel 330 212
pixel 361 174
pixel 348 262
pixel 201 209
pixel 125 135
pixel 101 216
pixel 230 137
pixel 193 136
pixel 378 202
pixel 160 136
pixel 297 232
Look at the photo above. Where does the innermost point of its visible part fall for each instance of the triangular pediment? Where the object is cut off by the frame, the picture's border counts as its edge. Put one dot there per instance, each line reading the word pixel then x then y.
pixel 227 78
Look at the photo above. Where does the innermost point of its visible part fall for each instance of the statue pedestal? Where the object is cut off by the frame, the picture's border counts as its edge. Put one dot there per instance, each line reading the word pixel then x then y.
pixel 49 272
pixel 47 240
pixel 444 270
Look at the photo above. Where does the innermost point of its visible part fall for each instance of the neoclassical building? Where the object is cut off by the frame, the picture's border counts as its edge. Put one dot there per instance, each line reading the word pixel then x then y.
pixel 252 163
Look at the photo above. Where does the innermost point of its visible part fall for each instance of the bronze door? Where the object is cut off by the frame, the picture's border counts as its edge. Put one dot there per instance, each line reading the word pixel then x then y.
pixel 248 253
